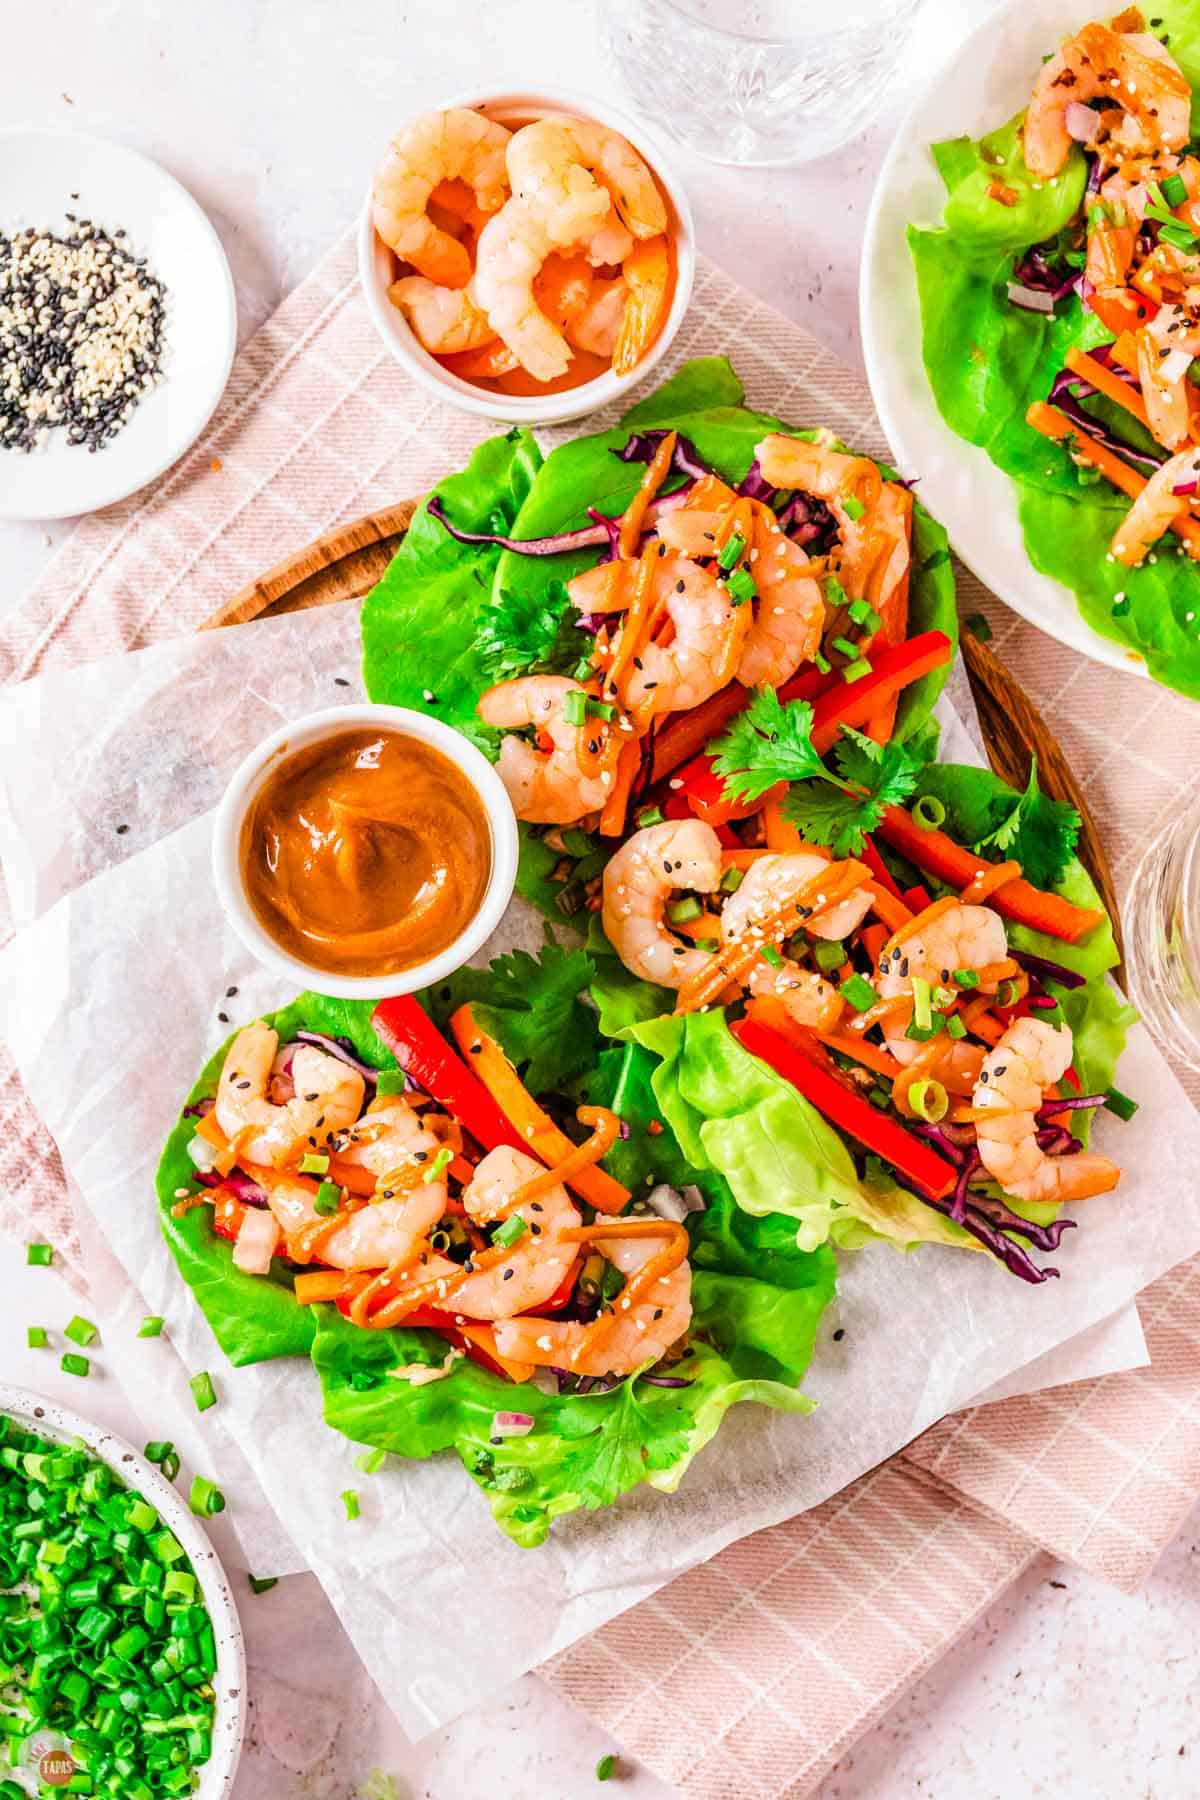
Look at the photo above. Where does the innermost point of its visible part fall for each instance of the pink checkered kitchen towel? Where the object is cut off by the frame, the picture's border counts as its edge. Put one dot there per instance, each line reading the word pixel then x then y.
pixel 790 1643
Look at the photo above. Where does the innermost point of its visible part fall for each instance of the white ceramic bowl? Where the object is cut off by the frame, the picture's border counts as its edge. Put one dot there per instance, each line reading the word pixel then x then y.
pixel 262 762
pixel 50 1420
pixel 43 176
pixel 377 272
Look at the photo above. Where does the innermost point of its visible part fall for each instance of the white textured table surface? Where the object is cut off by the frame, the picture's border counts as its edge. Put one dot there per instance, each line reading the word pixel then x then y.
pixel 272 113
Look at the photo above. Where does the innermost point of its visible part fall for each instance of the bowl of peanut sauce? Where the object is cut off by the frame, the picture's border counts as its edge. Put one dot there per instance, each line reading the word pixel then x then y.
pixel 365 851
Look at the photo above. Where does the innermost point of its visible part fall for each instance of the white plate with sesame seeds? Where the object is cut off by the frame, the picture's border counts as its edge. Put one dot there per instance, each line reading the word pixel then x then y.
pixel 70 185
pixel 987 80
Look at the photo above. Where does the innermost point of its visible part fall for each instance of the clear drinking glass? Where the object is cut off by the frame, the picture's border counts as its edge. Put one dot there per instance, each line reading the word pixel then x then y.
pixel 758 82
pixel 1162 938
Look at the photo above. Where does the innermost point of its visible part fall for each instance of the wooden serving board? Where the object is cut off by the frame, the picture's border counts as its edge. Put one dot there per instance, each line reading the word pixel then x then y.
pixel 347 562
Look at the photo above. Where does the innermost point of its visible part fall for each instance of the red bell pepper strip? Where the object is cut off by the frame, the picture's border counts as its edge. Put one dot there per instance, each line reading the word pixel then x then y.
pixel 423 1053
pixel 939 855
pixel 704 791
pixel 879 869
pixel 910 1156
pixel 854 702
pixel 917 898
pixel 685 734
pixel 675 806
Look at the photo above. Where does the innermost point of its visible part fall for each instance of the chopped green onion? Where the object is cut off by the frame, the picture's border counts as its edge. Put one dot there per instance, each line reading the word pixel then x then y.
pixel 262 1584
pixel 575 707
pixel 601 709
pixel 845 646
pixel 921 1034
pixel 880 1097
pixel 680 911
pixel 442 1160
pixel 1174 189
pixel 730 551
pixel 864 614
pixel 771 955
pixel 732 880
pixel 943 997
pixel 605 1768
pixel 314 1162
pixel 978 627
pixel 390 1081
pixel 821 662
pixel 328 1199
pixel 858 993
pixel 75 1365
pixel 39 1256
pixel 828 954
pixel 853 509
pixel 513 1228
pixel 708 945
pixel 740 586
pixel 205 1497
pixel 164 1455
pixel 929 1100
pixel 955 1026
pixel 1008 992
pixel 81 1331
pixel 649 815
pixel 928 812
pixel 968 978
pixel 37 1337
pixel 1117 1102
pixel 349 1499
pixel 855 671
pixel 922 1003
pixel 203 1391
pixel 1121 605
pixel 151 1326
pixel 371 1461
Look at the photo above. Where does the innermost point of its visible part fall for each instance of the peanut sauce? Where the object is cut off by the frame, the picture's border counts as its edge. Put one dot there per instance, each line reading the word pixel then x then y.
pixel 366 853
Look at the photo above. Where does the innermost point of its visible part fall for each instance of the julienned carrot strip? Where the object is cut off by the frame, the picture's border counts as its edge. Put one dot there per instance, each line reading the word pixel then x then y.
pixel 869 1055
pixel 939 855
pixel 1055 425
pixel 873 938
pixel 535 1128
pixel 1110 385
pixel 641 603
pixel 633 518
pixel 612 819
pixel 320 1285
pixel 780 834
pixel 885 906
pixel 893 619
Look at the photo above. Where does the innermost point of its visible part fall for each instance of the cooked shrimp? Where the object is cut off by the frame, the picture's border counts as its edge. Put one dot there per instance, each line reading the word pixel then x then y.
pixel 595 328
pixel 642 1334
pixel 512 248
pixel 710 631
pixel 961 937
pixel 806 996
pixel 608 247
pixel 1017 1072
pixel 872 518
pixel 391 1140
pixel 638 882
pixel 540 1259
pixel 771 881
pixel 1151 99
pixel 1162 365
pixel 445 319
pixel 556 164
pixel 1156 508
pixel 789 613
pixel 371 1237
pixel 456 144
pixel 328 1095
pixel 546 786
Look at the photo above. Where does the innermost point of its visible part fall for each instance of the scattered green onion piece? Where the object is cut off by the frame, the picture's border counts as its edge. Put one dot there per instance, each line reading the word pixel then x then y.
pixel 1008 992
pixel 1117 1102
pixel 943 998
pixel 854 671
pixel 390 1081
pixel 203 1391
pixel 37 1337
pixel 880 1097
pixel 732 880
pixel 680 911
pixel 39 1256
pixel 730 551
pixel 771 955
pixel 442 1160
pixel 262 1584
pixel 922 1003
pixel 822 663
pixel 740 586
pixel 1121 605
pixel 164 1455
pixel 575 707
pixel 846 647
pixel 75 1365
pixel 314 1162
pixel 151 1326
pixel 601 709
pixel 928 812
pixel 858 993
pixel 829 954
pixel 349 1499
pixel 864 614
pixel 968 978
pixel 708 945
pixel 328 1199
pixel 921 1034
pixel 955 1027
pixel 371 1461
pixel 513 1228
pixel 929 1100
pixel 1174 190
pixel 81 1331
pixel 205 1497
pixel 605 1768
pixel 649 815
pixel 978 627
pixel 853 509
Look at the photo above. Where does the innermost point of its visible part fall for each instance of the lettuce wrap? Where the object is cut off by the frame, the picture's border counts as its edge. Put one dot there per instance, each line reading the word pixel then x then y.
pixel 757 1297
pixel 988 359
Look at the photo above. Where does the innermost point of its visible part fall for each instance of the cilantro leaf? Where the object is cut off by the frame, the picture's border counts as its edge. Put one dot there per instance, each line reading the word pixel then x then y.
pixel 627 1445
pixel 531 1005
pixel 767 743
pixel 1038 832
pixel 521 632
pixel 875 776
pixel 830 816
pixel 888 772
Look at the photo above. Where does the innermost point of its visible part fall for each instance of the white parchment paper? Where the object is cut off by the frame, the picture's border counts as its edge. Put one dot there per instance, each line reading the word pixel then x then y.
pixel 109 996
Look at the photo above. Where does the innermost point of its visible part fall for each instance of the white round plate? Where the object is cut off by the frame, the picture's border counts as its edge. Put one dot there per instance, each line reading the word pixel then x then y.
pixel 43 176
pixel 50 1420
pixel 988 79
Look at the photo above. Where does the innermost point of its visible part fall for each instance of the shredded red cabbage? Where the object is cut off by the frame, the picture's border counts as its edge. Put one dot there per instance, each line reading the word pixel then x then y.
pixel 579 539
pixel 1073 1103
pixel 343 1049
pixel 1034 271
pixel 666 1381
pixel 1066 392
pixel 989 1222
pixel 642 447
pixel 199 1108
pixel 241 1186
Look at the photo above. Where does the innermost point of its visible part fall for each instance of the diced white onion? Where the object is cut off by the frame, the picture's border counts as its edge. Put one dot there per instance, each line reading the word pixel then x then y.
pixel 669 1203
pixel 257 1238
pixel 1173 367
pixel 202 1154
pixel 511 1424
pixel 1032 299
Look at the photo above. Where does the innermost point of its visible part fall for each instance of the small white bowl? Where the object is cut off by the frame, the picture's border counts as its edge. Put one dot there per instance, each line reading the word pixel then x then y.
pixel 49 1420
pixel 376 270
pixel 262 761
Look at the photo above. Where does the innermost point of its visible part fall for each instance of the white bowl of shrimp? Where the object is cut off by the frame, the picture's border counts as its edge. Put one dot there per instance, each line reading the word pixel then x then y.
pixel 526 256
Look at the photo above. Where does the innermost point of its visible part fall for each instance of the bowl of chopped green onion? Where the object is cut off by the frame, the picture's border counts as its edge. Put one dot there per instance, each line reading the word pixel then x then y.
pixel 122 1666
